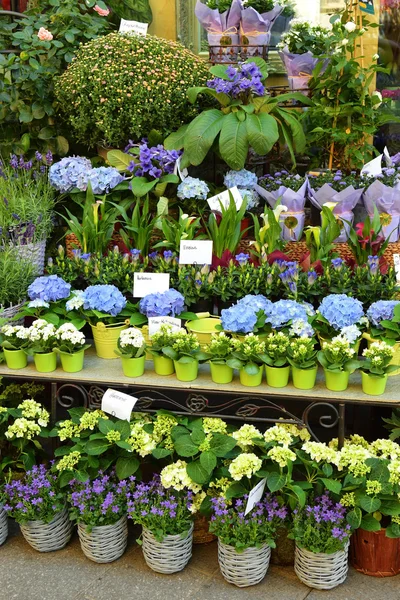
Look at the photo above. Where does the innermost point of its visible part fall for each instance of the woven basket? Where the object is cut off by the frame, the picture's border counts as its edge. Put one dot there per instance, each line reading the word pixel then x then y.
pixel 201 532
pixel 72 243
pixel 321 571
pixel 169 556
pixel 246 568
pixel 34 253
pixel 296 250
pixel 105 543
pixel 47 537
pixel 3 525
pixel 9 313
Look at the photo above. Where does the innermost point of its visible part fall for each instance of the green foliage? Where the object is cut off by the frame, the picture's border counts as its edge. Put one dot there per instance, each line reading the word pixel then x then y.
pixel 226 234
pixel 267 235
pixel 16 275
pixel 320 239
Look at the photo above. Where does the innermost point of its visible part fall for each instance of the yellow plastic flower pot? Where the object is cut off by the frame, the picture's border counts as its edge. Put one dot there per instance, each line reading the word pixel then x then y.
pixel 186 371
pixel 15 359
pixel 396 356
pixel 373 385
pixel 203 327
pixel 106 338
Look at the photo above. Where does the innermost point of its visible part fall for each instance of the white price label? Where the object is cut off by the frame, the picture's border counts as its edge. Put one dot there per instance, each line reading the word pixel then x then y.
pixel 149 283
pixel 255 495
pixel 195 252
pixel 373 167
pixel 156 322
pixel 118 404
pixel 396 260
pixel 223 198
pixel 133 27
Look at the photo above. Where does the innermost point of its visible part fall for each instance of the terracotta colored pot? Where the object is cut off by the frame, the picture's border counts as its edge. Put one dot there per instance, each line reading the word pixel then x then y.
pixel 372 553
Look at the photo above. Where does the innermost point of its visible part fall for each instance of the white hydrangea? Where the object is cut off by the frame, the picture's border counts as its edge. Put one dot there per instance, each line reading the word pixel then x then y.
pixel 140 441
pixel 76 301
pixel 175 476
pixel 320 452
pixel 244 465
pixel 244 436
pixel 278 434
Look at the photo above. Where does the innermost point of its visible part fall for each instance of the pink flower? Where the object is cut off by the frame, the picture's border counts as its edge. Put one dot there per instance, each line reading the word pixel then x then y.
pixel 44 35
pixel 103 12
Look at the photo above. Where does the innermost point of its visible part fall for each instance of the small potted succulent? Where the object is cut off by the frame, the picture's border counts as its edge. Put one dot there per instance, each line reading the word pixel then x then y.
pixel 132 350
pixel 42 338
pixel 338 360
pixel 184 350
pixel 375 367
pixel 276 359
pixel 70 345
pixel 248 358
pixel 220 350
pixel 14 339
pixel 302 356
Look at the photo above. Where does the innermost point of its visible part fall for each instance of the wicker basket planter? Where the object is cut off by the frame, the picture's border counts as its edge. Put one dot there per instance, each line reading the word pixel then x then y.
pixel 47 537
pixel 246 568
pixel 34 253
pixel 321 571
pixel 169 556
pixel 3 525
pixel 105 543
pixel 9 313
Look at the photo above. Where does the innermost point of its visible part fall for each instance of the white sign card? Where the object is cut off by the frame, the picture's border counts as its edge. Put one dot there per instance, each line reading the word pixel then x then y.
pixel 183 173
pixel 149 283
pixel 195 252
pixel 223 197
pixel 373 167
pixel 118 404
pixel 133 27
pixel 387 157
pixel 156 322
pixel 396 260
pixel 255 495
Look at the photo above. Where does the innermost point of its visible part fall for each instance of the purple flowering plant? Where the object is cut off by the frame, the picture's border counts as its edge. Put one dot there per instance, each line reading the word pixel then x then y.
pixel 374 281
pixel 337 180
pixel 321 526
pixel 162 511
pixel 35 497
pixel 100 501
pixel 282 178
pixel 254 530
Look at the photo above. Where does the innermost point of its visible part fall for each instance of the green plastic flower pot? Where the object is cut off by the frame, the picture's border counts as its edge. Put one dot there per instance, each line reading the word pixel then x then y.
pixel 304 379
pixel 372 385
pixel 15 359
pixel 133 367
pixel 106 338
pixel 336 382
pixel 203 328
pixel 186 371
pixel 277 377
pixel 396 356
pixel 251 380
pixel 221 373
pixel 45 363
pixel 72 363
pixel 163 365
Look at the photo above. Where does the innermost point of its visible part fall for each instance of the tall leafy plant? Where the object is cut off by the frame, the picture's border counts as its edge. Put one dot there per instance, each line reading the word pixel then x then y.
pixel 225 229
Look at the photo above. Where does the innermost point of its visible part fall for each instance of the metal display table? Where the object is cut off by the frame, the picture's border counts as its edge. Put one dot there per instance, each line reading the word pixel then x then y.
pixel 202 397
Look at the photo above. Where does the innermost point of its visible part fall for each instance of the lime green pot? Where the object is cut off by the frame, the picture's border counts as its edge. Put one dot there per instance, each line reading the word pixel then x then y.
pixel 106 338
pixel 45 363
pixel 396 356
pixel 304 379
pixel 373 385
pixel 133 367
pixel 251 380
pixel 15 359
pixel 277 377
pixel 72 363
pixel 186 371
pixel 336 382
pixel 203 327
pixel 163 365
pixel 221 373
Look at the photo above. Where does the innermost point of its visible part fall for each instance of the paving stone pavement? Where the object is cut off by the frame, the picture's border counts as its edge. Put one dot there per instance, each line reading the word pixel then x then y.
pixel 68 575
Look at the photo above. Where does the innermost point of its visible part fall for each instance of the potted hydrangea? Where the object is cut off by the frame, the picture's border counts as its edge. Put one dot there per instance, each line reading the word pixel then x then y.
pixel 132 350
pixel 184 350
pixel 99 508
pixel 14 339
pixel 375 368
pixel 384 318
pixel 163 338
pixel 245 538
pixel 248 358
pixel 247 315
pixel 340 314
pixel 37 504
pixel 276 359
pixel 220 350
pixel 302 356
pixel 70 345
pixel 41 338
pixel 338 360
pixel 170 303
pixel 167 525
pixel 322 535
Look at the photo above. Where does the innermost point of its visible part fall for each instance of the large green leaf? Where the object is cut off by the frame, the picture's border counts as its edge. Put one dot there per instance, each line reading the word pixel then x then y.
pixel 118 159
pixel 197 472
pixel 95 447
pixel 369 523
pixel 185 447
pixel 262 132
pixel 369 503
pixel 175 141
pixel 222 444
pixel 354 518
pixel 141 186
pixel 193 92
pixel 275 481
pixel 296 129
pixel 332 485
pixel 201 133
pixel 233 142
pixel 208 461
pixel 125 467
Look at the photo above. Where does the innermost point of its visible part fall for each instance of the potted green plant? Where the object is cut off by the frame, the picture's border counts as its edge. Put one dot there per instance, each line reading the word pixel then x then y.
pixel 132 350
pixel 163 338
pixel 41 341
pixel 384 318
pixel 14 339
pixel 375 368
pixel 70 345
pixel 184 350
pixel 338 360
pixel 302 355
pixel 220 350
pixel 276 359
pixel 16 275
pixel 248 358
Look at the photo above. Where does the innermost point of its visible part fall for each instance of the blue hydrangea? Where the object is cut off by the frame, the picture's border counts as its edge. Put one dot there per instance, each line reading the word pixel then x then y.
pixel 341 310
pixel 251 196
pixel 257 303
pixel 104 179
pixel 104 298
pixel 192 188
pixel 381 311
pixel 69 173
pixel 166 304
pixel 49 288
pixel 301 328
pixel 284 311
pixel 238 319
pixel 241 179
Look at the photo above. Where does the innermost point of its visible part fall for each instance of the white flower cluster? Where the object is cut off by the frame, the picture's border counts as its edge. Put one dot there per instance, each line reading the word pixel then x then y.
pixel 244 465
pixel 69 333
pixel 244 436
pixel 140 441
pixel 33 410
pixel 77 300
pixel 41 330
pixel 23 428
pixel 33 418
pixel 15 330
pixel 279 434
pixel 175 476
pixel 131 337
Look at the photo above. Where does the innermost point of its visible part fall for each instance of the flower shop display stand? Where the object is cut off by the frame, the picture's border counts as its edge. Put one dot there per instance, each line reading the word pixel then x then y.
pixel 202 397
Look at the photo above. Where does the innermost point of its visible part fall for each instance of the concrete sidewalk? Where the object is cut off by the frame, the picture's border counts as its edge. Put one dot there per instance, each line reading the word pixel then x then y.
pixel 69 575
